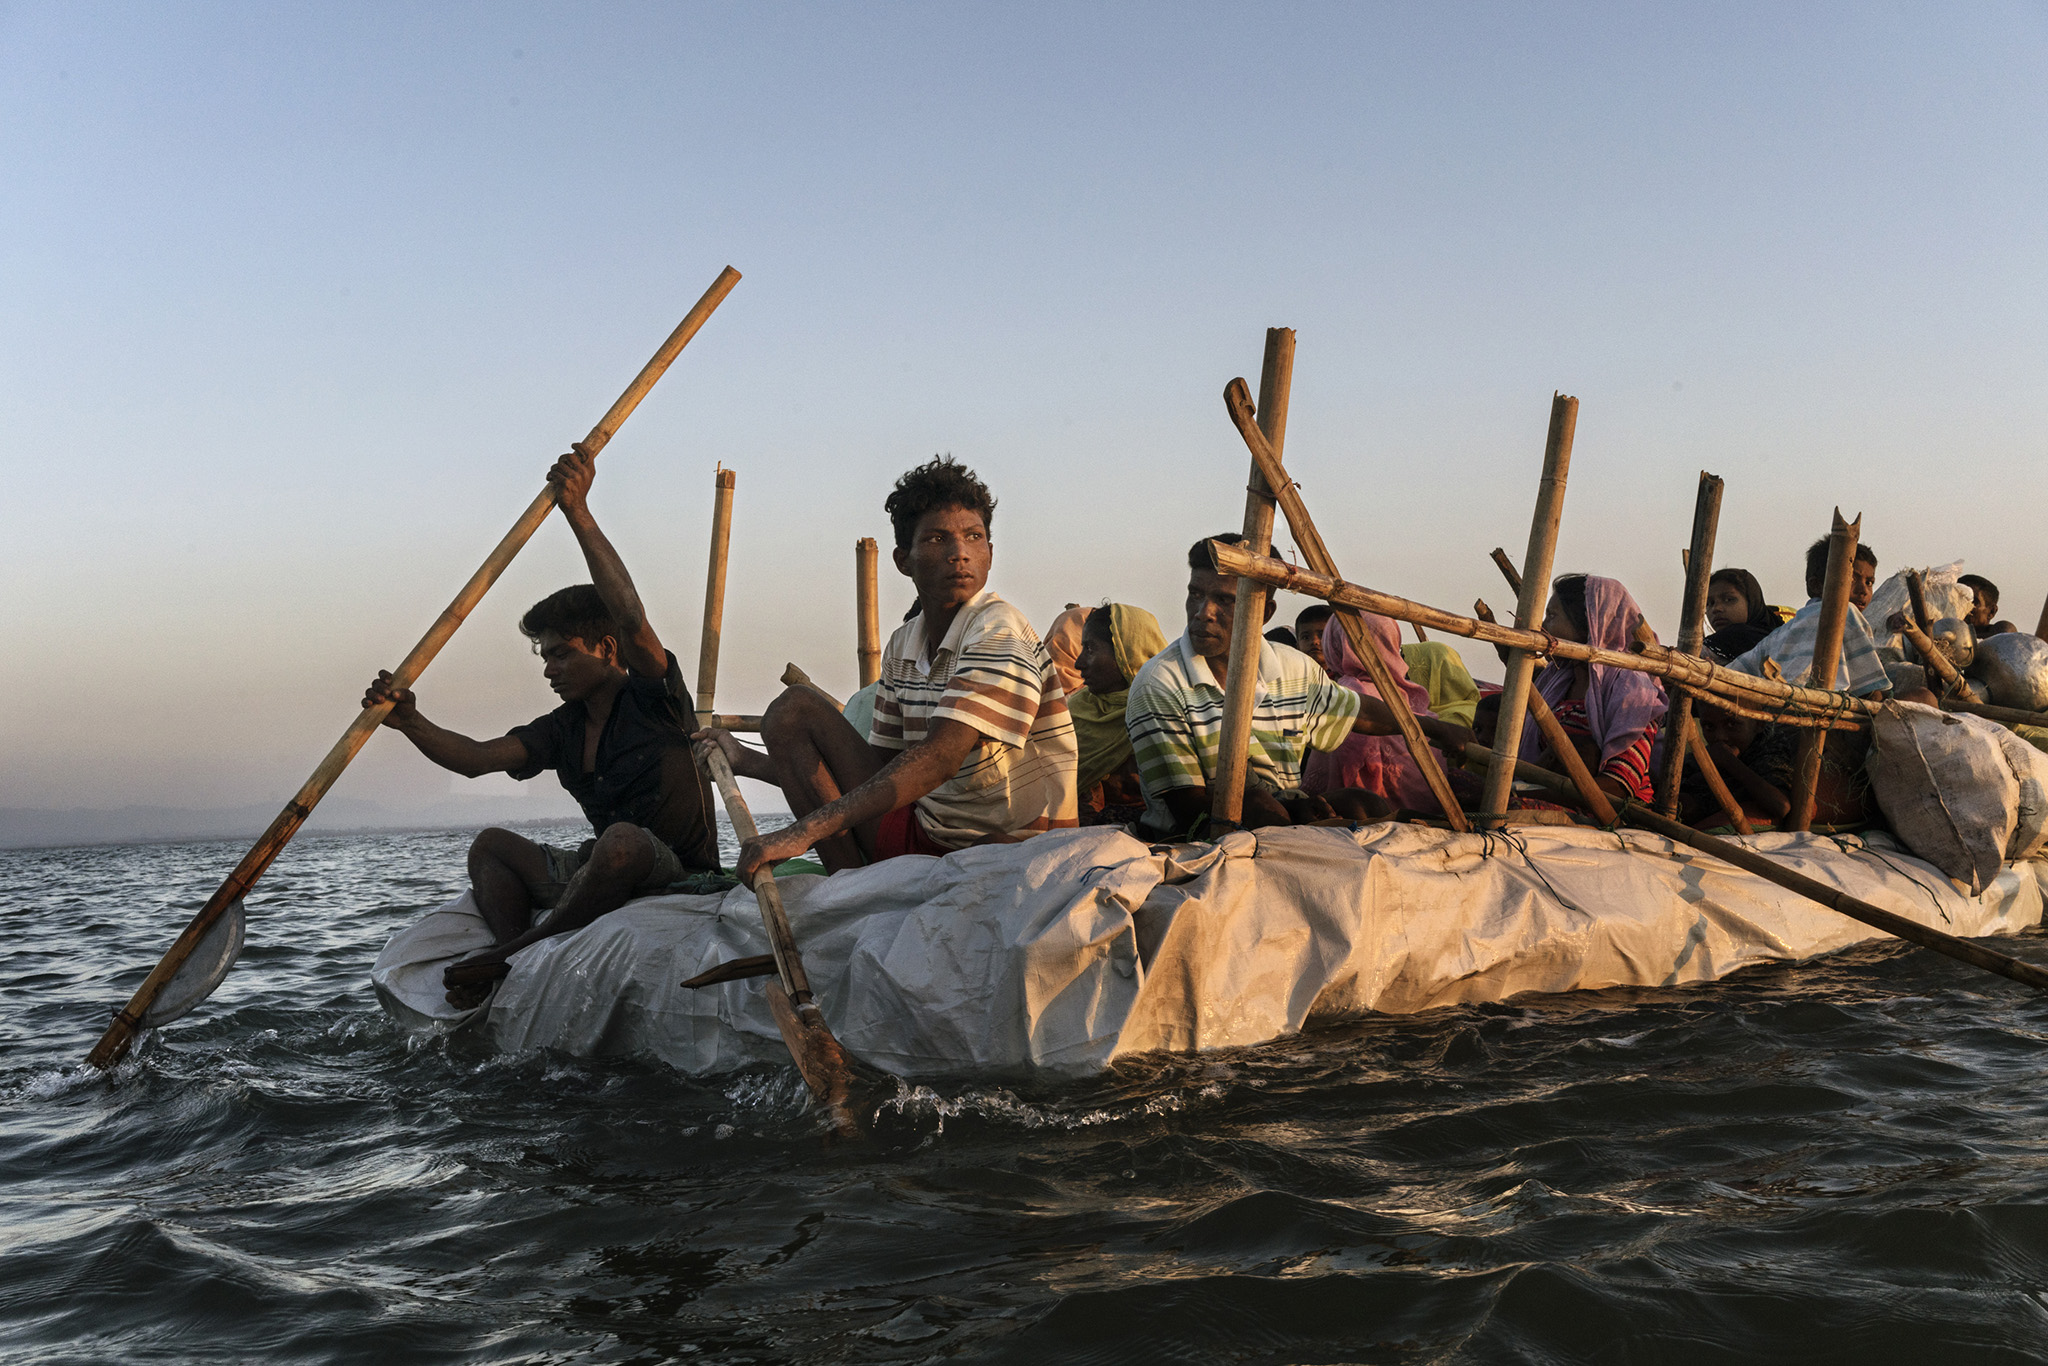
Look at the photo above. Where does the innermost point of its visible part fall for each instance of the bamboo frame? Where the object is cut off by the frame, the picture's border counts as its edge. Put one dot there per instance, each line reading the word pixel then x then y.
pixel 1248 620
pixel 1745 688
pixel 1534 596
pixel 120 1034
pixel 1827 658
pixel 1699 568
pixel 1237 399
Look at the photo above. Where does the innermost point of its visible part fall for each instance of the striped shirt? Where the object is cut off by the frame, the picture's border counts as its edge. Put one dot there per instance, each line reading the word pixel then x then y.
pixel 1791 646
pixel 1175 716
pixel 992 673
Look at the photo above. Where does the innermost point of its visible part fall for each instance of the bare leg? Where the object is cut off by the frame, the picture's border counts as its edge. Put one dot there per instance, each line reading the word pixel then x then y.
pixel 505 870
pixel 620 862
pixel 821 758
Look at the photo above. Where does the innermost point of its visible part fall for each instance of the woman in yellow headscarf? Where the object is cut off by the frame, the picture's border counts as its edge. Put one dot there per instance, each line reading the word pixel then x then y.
pixel 1116 641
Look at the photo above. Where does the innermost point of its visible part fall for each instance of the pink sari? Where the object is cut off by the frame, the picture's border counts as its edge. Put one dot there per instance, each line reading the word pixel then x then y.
pixel 1377 763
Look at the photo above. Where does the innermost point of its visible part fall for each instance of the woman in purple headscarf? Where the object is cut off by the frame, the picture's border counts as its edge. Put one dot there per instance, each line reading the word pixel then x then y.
pixel 1612 714
pixel 1380 764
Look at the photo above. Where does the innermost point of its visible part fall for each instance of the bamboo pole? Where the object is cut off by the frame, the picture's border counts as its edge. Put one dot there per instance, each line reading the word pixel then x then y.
pixel 1534 597
pixel 1582 779
pixel 1699 563
pixel 1827 657
pixel 826 1066
pixel 1716 784
pixel 1938 662
pixel 128 1020
pixel 1248 621
pixel 714 594
pixel 1916 594
pixel 1237 400
pixel 2010 716
pixel 1748 860
pixel 1654 660
pixel 793 677
pixel 1832 721
pixel 2041 627
pixel 867 609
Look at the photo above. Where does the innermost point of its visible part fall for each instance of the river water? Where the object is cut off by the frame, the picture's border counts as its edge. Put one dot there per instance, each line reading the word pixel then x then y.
pixel 1840 1162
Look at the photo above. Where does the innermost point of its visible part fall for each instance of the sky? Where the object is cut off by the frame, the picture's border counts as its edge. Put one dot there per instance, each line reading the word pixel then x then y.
pixel 303 300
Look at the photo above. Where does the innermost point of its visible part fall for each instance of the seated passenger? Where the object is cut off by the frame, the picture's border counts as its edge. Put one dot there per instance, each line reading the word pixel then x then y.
pixel 1755 758
pixel 1115 644
pixel 1308 631
pixel 970 743
pixel 1790 647
pixel 619 744
pixel 1379 764
pixel 1612 715
pixel 1063 643
pixel 1737 615
pixel 1175 715
pixel 1442 673
pixel 1983 618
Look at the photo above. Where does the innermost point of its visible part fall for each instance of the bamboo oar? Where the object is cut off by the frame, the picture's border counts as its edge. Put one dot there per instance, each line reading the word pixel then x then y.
pixel 1248 620
pixel 867 610
pixel 1685 669
pixel 2041 628
pixel 1699 567
pixel 827 1068
pixel 128 1020
pixel 714 595
pixel 1916 596
pixel 1834 899
pixel 1535 595
pixel 1827 657
pixel 1238 400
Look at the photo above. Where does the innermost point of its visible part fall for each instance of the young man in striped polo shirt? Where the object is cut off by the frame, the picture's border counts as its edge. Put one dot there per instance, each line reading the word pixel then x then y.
pixel 1175 713
pixel 970 742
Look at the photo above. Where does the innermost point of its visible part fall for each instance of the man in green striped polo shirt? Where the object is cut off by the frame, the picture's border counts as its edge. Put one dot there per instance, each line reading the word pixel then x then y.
pixel 1175 713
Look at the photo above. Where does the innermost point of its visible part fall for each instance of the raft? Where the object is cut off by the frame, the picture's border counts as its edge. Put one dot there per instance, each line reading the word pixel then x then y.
pixel 1062 955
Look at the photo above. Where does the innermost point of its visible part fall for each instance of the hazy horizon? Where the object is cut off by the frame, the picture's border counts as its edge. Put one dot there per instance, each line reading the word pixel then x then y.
pixel 304 302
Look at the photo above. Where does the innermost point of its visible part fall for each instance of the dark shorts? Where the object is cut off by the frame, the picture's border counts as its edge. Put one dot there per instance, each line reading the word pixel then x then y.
pixel 902 833
pixel 563 863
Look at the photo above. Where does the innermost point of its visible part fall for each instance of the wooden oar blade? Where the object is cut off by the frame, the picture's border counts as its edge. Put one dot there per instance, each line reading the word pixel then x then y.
pixel 203 969
pixel 827 1068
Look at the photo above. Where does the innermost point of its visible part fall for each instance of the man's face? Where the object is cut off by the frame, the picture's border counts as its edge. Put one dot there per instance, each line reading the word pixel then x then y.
pixel 1212 603
pixel 948 557
pixel 1983 609
pixel 572 668
pixel 1308 638
pixel 1862 583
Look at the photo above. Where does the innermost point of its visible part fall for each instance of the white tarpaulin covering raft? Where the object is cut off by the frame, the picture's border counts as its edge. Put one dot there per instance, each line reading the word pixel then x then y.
pixel 1076 948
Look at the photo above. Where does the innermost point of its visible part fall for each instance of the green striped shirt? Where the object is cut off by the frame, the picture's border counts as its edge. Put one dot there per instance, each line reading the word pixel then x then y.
pixel 1175 717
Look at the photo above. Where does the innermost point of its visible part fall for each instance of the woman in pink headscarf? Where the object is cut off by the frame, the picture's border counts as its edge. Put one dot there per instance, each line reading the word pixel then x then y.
pixel 1380 764
pixel 1612 714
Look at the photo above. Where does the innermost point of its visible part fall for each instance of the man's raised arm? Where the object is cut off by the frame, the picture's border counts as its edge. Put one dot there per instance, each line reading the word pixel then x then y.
pixel 640 648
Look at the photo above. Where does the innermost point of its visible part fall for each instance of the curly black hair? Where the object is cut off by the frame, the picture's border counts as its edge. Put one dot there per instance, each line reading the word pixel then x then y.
pixel 577 612
pixel 941 482
pixel 1198 553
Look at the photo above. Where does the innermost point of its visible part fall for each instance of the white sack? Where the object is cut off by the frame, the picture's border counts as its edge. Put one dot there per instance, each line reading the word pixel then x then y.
pixel 1073 949
pixel 2013 670
pixel 1950 787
